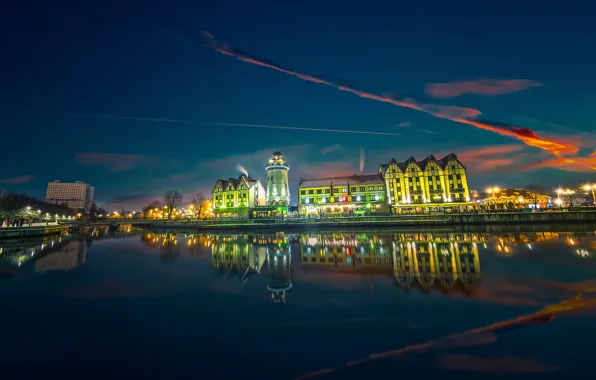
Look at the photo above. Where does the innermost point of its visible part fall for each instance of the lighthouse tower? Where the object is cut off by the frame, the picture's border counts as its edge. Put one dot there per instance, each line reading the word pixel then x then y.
pixel 277 180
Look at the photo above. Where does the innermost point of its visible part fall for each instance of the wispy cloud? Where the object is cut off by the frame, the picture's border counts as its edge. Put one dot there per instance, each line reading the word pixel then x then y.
pixel 17 180
pixel 490 158
pixel 428 132
pixel 329 149
pixel 486 87
pixel 463 115
pixel 119 162
pixel 113 161
pixel 404 124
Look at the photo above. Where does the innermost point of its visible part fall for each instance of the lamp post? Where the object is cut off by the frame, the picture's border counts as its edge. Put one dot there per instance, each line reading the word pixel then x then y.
pixel 495 191
pixel 569 193
pixel 591 187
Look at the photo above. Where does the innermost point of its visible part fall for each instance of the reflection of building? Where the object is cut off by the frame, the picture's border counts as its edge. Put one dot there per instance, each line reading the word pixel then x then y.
pixel 356 194
pixel 236 255
pixel 233 197
pixel 426 183
pixel 356 253
pixel 441 261
pixel 73 254
pixel 74 195
pixel 279 257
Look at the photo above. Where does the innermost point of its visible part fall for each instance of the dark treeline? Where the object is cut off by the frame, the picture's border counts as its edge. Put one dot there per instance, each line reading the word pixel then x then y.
pixel 15 205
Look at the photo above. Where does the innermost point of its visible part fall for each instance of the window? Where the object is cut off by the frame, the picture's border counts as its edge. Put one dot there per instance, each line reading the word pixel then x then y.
pixel 344 190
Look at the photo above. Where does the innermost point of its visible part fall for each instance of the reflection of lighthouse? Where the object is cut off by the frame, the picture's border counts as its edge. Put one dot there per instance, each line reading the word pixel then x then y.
pixel 279 257
pixel 277 180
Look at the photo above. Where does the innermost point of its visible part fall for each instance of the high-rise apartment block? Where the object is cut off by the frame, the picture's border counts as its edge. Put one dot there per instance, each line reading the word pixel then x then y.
pixel 74 195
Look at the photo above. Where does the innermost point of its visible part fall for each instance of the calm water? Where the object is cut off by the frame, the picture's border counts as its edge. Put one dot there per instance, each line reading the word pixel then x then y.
pixel 140 304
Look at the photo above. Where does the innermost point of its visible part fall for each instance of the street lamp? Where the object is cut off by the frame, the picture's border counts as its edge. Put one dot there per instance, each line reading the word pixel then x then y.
pixel 569 193
pixel 591 187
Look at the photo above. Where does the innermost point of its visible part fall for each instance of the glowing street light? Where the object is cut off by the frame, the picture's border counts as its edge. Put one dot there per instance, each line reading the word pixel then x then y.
pixel 591 187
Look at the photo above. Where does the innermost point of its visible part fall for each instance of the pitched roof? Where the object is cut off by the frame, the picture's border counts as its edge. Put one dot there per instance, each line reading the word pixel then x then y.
pixel 354 179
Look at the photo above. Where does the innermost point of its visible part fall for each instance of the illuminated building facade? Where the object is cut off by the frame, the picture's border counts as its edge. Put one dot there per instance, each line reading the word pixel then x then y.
pixel 516 198
pixel 77 195
pixel 278 192
pixel 352 195
pixel 426 183
pixel 234 197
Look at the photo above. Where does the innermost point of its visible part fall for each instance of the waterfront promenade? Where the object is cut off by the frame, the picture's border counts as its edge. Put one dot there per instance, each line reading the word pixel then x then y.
pixel 587 217
pixel 565 217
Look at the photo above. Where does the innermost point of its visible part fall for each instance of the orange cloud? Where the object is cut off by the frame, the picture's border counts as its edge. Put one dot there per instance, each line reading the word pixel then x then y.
pixel 574 164
pixel 487 87
pixel 491 158
pixel 464 115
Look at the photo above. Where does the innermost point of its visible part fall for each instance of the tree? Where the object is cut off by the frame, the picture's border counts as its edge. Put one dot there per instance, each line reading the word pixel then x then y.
pixel 198 203
pixel 150 207
pixel 535 192
pixel 92 210
pixel 171 200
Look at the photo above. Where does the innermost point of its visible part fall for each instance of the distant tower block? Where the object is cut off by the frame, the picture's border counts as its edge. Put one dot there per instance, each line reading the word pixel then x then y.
pixel 277 180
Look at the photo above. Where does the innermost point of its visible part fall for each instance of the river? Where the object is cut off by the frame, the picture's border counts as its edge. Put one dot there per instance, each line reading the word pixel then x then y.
pixel 329 305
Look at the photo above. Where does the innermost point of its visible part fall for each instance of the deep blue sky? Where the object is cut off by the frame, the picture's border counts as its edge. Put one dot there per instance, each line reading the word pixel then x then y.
pixel 147 61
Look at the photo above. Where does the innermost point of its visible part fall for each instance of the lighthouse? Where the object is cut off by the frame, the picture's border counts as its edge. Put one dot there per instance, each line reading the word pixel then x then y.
pixel 277 180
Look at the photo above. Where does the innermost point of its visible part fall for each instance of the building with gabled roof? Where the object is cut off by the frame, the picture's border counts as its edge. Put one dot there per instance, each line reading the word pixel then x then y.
pixel 233 197
pixel 426 183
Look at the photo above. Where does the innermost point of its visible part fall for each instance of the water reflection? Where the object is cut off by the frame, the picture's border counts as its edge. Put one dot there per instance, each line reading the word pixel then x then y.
pixel 446 262
pixel 71 255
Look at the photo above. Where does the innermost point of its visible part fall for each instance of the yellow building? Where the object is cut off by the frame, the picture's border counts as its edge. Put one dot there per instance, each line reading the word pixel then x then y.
pixel 233 197
pixel 352 195
pixel 428 183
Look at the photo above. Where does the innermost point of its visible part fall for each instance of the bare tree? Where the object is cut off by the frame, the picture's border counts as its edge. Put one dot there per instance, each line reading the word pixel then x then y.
pixel 171 200
pixel 198 202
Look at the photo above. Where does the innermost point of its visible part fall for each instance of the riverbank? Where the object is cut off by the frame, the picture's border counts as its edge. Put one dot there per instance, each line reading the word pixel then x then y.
pixel 35 231
pixel 409 221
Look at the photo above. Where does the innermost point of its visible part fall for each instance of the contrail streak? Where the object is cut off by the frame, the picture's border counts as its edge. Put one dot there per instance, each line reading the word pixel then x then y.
pixel 303 129
pixel 176 121
pixel 457 114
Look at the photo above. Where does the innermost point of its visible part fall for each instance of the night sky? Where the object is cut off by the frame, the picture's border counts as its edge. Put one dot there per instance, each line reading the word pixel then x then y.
pixel 71 74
